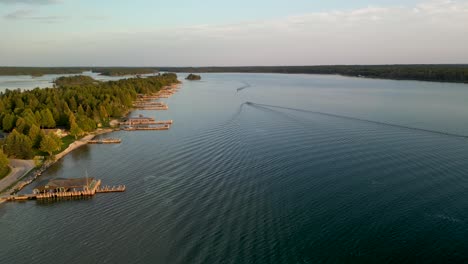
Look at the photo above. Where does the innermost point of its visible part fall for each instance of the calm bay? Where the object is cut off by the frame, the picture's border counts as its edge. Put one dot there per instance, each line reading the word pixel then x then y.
pixel 267 168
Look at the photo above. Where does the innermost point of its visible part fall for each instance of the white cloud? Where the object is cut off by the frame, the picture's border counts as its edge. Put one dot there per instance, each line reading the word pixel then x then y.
pixel 30 2
pixel 29 14
pixel 430 32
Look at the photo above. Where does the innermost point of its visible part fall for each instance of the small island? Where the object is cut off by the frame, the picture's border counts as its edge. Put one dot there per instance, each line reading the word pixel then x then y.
pixel 193 77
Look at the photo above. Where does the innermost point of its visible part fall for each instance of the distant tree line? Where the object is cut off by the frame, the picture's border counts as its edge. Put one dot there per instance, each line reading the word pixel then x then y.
pixel 122 71
pixel 39 71
pixel 438 73
pixel 77 103
pixel 108 71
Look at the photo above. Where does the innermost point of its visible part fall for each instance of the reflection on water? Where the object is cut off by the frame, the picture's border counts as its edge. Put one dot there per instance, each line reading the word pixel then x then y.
pixel 50 202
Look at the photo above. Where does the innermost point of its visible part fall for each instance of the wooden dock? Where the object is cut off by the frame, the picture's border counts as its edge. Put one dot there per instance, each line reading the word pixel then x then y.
pixel 137 128
pixel 105 141
pixel 152 107
pixel 145 103
pixel 108 189
pixel 154 122
pixel 95 188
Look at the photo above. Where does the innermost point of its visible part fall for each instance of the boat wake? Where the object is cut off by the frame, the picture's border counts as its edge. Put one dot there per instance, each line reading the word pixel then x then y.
pixel 358 119
pixel 246 85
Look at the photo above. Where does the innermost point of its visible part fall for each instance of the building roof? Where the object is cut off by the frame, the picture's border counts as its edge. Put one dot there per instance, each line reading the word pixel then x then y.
pixel 66 183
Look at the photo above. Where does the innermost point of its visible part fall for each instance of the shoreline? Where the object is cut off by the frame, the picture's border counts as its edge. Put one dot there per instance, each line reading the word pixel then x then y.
pixel 24 180
pixel 31 175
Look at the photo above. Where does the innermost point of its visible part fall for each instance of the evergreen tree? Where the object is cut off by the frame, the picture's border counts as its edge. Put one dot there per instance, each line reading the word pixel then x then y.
pixel 103 114
pixel 35 135
pixel 75 130
pixel 29 117
pixel 8 122
pixel 81 111
pixel 18 145
pixel 47 119
pixel 49 144
pixel 38 117
pixel 22 126
pixel 4 168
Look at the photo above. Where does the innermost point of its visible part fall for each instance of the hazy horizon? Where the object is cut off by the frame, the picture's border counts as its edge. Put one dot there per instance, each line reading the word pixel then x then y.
pixel 65 33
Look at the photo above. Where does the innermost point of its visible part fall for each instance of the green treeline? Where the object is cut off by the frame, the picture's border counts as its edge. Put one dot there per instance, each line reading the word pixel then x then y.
pixel 78 104
pixel 39 71
pixel 437 73
pixel 4 168
pixel 79 80
pixel 122 71
pixel 193 77
pixel 109 71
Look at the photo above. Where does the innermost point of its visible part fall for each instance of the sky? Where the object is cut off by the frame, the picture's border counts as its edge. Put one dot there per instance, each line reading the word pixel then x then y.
pixel 232 33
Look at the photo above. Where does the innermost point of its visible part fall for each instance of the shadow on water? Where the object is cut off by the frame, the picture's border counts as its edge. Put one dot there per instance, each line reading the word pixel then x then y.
pixel 80 153
pixel 358 119
pixel 48 202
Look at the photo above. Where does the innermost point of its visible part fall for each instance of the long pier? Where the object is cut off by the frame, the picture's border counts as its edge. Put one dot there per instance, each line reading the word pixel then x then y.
pixel 152 107
pixel 146 103
pixel 95 188
pixel 149 102
pixel 152 122
pixel 105 141
pixel 107 189
pixel 136 128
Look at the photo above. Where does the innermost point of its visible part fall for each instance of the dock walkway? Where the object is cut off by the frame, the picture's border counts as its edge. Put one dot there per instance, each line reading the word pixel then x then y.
pixel 95 188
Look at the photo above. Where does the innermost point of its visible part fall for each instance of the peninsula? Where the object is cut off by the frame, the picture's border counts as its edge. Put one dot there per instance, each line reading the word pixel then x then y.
pixel 107 71
pixel 45 122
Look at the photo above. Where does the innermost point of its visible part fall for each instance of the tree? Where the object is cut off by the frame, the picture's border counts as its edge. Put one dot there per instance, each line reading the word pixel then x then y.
pixel 8 122
pixel 75 130
pixel 29 117
pixel 35 135
pixel 22 126
pixel 47 119
pixel 86 123
pixel 38 118
pixel 4 168
pixel 81 111
pixel 57 139
pixel 18 145
pixel 49 144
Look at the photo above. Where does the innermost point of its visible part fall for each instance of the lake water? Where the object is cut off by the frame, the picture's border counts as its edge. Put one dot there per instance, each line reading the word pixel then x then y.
pixel 27 82
pixel 316 169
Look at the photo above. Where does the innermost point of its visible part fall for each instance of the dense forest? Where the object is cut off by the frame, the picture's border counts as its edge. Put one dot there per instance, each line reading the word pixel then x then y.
pixel 77 103
pixel 438 73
